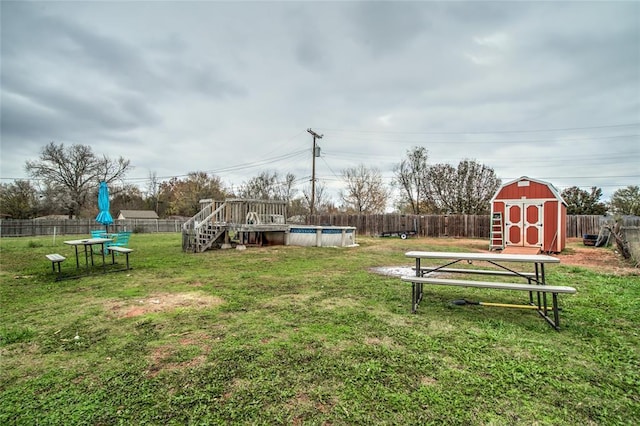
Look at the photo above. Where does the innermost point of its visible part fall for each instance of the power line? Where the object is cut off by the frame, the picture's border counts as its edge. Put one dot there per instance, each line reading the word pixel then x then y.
pixel 545 157
pixel 237 167
pixel 259 163
pixel 492 142
pixel 611 126
pixel 329 167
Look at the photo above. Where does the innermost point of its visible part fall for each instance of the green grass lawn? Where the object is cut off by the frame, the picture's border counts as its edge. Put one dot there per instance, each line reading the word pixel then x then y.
pixel 291 335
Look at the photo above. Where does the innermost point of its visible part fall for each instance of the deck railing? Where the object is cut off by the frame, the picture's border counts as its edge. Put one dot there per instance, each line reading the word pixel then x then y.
pixel 242 210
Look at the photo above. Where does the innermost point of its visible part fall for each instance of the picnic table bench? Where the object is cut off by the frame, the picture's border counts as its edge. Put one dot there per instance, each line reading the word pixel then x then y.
pixel 124 250
pixel 56 259
pixel 536 281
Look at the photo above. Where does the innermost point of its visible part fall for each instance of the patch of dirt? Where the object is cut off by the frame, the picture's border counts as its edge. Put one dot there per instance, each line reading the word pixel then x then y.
pixel 595 258
pixel 161 302
pixel 428 381
pixel 302 402
pixel 385 341
pixel 161 358
pixel 290 299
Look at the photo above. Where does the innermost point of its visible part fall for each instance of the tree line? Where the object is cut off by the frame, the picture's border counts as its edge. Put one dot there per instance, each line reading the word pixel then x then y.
pixel 67 180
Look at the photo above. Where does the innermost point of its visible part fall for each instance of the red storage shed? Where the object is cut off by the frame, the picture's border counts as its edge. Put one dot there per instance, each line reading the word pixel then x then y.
pixel 528 213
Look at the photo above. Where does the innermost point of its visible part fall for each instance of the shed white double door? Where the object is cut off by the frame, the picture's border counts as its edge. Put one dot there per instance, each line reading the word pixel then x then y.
pixel 524 224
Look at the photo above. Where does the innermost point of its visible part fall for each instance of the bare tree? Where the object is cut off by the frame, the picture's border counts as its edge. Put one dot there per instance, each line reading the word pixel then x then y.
pixel 411 177
pixel 268 186
pixel 365 192
pixel 287 188
pixel 467 189
pixel 153 190
pixel 75 172
pixel 322 199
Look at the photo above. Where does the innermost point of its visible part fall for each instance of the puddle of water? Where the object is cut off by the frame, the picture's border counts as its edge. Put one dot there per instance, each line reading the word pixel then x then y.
pixel 395 271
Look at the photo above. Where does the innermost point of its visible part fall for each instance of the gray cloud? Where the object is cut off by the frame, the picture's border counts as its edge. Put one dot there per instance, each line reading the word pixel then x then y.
pixel 386 27
pixel 207 85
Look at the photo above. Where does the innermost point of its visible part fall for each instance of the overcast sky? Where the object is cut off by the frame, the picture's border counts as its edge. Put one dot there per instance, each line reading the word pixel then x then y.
pixel 550 90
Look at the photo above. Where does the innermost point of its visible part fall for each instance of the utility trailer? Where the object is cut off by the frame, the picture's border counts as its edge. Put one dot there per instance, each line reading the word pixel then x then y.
pixel 402 234
pixel 400 226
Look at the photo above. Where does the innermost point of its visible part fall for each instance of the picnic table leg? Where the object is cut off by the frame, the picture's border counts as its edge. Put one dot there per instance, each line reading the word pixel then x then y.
pixel 544 296
pixel 416 289
pixel 104 265
pixel 414 305
pixel 86 258
pixel 537 282
pixel 77 259
pixel 555 322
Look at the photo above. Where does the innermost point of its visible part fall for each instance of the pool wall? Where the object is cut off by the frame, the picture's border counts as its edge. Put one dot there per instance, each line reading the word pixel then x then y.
pixel 321 236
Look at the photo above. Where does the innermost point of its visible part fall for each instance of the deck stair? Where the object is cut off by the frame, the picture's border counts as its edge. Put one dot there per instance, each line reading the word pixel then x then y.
pixel 204 229
pixel 210 234
pixel 218 221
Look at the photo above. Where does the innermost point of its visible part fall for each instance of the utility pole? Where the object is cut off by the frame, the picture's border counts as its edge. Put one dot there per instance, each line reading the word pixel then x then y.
pixel 315 153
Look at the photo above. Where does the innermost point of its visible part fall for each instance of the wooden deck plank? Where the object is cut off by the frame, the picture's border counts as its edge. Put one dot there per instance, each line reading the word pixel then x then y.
pixel 521 250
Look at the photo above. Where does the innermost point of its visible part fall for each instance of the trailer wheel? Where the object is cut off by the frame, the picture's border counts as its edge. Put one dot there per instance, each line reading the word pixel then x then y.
pixel 403 236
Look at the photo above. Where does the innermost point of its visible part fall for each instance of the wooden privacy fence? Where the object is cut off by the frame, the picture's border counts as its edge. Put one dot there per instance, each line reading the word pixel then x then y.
pixel 468 226
pixel 35 227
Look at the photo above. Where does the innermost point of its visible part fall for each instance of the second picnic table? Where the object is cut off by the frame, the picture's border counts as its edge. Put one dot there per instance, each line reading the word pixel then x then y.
pixel 88 252
pixel 536 279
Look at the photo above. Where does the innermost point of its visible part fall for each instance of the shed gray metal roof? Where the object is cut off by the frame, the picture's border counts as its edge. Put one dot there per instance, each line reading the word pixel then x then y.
pixel 138 214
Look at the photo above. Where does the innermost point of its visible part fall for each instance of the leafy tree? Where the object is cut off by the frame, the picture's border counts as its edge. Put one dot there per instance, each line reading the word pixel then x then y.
pixel 581 202
pixel 127 198
pixel 182 196
pixel 365 192
pixel 73 173
pixel 467 189
pixel 18 200
pixel 411 176
pixel 626 201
